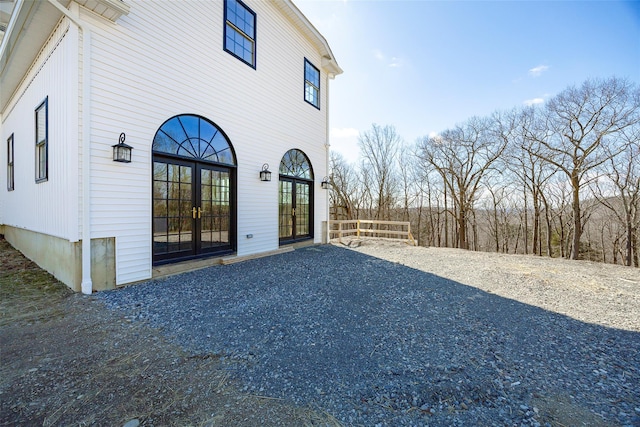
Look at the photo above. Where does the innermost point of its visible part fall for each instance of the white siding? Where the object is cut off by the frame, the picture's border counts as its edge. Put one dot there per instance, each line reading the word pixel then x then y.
pixel 167 58
pixel 49 207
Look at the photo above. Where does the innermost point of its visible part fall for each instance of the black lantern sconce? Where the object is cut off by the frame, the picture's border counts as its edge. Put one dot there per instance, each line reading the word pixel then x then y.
pixel 265 173
pixel 325 184
pixel 122 151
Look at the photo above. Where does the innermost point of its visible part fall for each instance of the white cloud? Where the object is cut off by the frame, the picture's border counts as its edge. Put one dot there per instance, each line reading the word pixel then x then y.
pixel 534 101
pixel 537 71
pixel 394 62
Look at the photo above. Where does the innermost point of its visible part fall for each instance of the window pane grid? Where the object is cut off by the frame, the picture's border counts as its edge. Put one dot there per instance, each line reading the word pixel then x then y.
pixel 214 190
pixel 294 163
pixel 302 209
pixel 193 137
pixel 311 84
pixel 286 205
pixel 172 195
pixel 10 172
pixel 240 31
pixel 41 142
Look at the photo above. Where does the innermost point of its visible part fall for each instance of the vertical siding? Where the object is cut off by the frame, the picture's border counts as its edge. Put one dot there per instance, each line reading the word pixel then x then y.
pixel 48 207
pixel 167 58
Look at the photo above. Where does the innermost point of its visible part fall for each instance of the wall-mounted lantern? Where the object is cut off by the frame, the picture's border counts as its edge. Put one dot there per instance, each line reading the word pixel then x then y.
pixel 122 151
pixel 325 184
pixel 265 173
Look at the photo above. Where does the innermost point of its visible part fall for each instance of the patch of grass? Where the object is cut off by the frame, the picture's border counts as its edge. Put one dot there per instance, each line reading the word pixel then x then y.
pixel 27 292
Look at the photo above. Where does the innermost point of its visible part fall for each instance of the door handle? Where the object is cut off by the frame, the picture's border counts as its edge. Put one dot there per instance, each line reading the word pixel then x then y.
pixel 193 212
pixel 293 212
pixel 199 212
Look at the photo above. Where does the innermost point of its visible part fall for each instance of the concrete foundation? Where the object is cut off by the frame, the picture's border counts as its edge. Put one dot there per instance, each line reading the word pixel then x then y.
pixel 63 259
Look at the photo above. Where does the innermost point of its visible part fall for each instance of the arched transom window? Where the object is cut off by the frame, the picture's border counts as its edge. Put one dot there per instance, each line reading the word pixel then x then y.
pixel 193 137
pixel 295 163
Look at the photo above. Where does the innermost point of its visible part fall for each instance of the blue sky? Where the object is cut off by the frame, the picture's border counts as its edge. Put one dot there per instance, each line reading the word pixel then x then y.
pixel 424 66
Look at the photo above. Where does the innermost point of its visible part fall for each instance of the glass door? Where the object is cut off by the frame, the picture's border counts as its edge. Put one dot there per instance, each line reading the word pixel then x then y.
pixel 192 209
pixel 294 210
pixel 214 210
pixel 286 210
pixel 173 214
pixel 301 218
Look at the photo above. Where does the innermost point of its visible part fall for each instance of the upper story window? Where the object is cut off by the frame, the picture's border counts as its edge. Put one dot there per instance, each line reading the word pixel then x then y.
pixel 10 174
pixel 42 137
pixel 311 84
pixel 240 31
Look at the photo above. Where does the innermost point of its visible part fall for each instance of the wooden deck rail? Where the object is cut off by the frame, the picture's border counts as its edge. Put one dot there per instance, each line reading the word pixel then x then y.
pixel 362 227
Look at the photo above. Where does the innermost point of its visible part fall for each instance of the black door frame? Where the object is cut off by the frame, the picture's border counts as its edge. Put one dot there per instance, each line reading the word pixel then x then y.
pixel 294 237
pixel 198 197
pixel 196 250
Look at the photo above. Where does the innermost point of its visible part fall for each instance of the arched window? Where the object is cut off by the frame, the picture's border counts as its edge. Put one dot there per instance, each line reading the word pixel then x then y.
pixel 194 137
pixel 295 163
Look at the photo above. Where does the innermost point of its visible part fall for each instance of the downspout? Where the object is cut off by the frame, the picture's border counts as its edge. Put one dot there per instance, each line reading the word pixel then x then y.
pixel 86 285
pixel 327 146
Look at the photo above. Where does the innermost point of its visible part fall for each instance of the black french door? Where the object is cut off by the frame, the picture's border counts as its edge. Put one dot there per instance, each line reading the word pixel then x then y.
pixel 193 209
pixel 295 209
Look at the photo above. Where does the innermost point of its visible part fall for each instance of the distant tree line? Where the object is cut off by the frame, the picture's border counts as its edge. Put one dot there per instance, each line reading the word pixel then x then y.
pixel 561 179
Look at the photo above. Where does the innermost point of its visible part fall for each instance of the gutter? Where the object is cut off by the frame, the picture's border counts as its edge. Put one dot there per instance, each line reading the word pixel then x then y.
pixel 10 27
pixel 86 285
pixel 327 146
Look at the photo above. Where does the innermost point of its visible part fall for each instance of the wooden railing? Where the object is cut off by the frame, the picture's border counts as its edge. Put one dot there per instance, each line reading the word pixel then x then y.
pixel 365 228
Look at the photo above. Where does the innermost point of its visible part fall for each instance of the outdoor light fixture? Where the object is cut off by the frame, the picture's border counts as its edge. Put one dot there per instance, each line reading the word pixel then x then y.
pixel 265 173
pixel 325 184
pixel 122 151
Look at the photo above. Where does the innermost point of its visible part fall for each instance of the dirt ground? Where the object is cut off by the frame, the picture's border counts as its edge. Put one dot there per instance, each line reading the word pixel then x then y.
pixel 66 360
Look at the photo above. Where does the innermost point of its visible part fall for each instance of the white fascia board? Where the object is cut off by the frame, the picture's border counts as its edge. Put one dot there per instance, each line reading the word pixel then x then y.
pixel 329 62
pixel 108 9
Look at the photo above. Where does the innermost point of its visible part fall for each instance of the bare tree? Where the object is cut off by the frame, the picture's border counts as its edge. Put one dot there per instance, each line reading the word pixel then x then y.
pixel 497 212
pixel 379 148
pixel 345 196
pixel 462 156
pixel 577 134
pixel 622 197
pixel 408 180
pixel 531 171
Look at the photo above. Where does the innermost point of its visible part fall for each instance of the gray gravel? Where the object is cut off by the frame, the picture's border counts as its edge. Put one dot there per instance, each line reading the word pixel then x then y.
pixel 378 343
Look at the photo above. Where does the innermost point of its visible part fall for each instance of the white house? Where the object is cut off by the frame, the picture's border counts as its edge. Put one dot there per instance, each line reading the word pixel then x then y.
pixel 207 94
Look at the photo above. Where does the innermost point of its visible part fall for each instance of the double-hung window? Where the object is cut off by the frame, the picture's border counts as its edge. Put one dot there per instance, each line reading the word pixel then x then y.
pixel 240 31
pixel 42 137
pixel 10 173
pixel 311 84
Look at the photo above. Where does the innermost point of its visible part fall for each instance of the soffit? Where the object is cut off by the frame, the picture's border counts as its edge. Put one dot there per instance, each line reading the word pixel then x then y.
pixel 6 6
pixel 30 25
pixel 32 22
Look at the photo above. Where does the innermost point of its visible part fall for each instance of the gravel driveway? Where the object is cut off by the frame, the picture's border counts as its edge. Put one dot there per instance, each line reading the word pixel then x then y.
pixel 376 342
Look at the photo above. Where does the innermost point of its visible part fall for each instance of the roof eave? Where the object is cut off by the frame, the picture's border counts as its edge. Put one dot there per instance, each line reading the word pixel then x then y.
pixel 19 49
pixel 38 18
pixel 108 9
pixel 329 63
